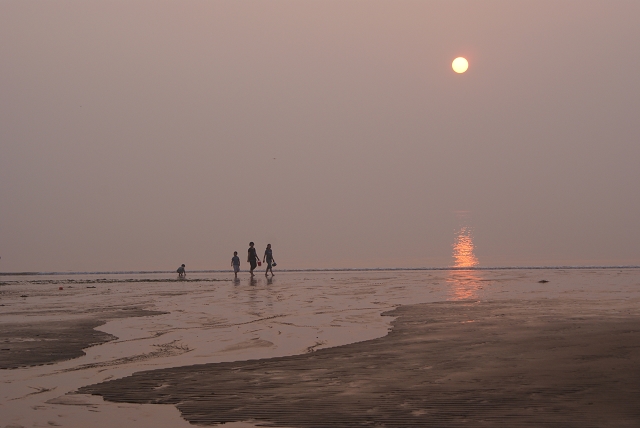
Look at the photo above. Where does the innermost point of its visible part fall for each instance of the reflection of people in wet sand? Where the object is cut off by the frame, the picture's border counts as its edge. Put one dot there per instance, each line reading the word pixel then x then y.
pixel 181 272
pixel 268 255
pixel 252 257
pixel 235 262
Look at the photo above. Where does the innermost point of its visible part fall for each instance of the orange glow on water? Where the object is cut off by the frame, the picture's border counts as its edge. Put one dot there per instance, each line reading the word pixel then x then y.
pixel 463 249
pixel 465 284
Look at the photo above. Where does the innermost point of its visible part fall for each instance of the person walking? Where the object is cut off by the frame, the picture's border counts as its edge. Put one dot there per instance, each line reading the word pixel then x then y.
pixel 252 257
pixel 268 255
pixel 235 262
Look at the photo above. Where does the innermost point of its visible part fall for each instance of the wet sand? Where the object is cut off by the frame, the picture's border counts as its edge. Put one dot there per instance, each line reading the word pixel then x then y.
pixel 47 342
pixel 510 363
pixel 312 349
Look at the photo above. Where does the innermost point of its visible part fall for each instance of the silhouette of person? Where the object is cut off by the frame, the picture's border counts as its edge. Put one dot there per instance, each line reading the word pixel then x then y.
pixel 252 257
pixel 235 262
pixel 268 255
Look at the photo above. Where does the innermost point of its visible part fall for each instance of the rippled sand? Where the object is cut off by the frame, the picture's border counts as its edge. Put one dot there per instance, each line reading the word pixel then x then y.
pixel 213 319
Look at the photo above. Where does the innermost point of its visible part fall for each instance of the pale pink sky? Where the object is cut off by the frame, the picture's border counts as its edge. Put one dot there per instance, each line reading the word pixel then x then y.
pixel 139 135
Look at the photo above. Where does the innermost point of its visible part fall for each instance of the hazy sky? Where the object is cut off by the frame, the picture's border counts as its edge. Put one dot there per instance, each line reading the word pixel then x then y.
pixel 140 135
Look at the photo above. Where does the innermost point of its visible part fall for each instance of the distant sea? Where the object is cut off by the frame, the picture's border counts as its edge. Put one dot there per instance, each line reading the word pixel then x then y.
pixel 474 268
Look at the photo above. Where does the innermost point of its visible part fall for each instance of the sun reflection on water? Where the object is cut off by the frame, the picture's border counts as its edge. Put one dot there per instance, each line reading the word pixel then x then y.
pixel 464 283
pixel 463 249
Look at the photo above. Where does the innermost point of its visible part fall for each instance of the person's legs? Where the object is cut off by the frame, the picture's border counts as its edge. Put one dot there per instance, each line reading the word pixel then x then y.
pixel 269 268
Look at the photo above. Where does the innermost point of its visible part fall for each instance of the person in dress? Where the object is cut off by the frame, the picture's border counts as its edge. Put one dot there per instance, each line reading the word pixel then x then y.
pixel 268 256
pixel 252 258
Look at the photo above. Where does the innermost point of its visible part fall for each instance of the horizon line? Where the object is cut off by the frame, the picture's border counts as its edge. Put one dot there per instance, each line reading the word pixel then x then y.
pixel 445 268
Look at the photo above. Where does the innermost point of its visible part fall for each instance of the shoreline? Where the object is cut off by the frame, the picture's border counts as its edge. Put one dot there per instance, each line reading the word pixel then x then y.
pixel 383 269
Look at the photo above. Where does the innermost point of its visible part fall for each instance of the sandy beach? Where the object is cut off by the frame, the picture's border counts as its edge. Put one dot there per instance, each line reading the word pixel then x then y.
pixel 310 349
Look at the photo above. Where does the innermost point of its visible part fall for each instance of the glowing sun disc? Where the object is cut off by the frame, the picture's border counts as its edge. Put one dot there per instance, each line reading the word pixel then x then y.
pixel 460 65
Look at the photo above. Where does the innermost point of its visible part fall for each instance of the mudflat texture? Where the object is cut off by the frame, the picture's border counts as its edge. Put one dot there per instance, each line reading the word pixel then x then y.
pixel 46 342
pixel 515 363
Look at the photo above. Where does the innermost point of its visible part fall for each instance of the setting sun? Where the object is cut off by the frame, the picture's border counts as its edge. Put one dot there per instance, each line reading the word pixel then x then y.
pixel 460 65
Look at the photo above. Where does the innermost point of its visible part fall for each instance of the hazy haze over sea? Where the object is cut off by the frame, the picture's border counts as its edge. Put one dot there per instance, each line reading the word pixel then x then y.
pixel 141 135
